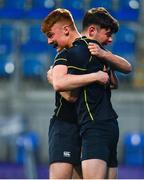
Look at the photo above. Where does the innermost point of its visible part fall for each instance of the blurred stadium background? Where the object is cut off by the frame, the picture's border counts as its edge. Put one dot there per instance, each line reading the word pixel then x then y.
pixel 27 100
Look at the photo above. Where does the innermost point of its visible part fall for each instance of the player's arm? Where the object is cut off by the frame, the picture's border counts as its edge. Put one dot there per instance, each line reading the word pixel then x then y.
pixel 50 76
pixel 113 80
pixel 118 63
pixel 70 96
pixel 62 81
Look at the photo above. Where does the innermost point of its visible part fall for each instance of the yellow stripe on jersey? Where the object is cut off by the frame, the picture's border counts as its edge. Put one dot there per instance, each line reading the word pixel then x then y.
pixel 59 106
pixel 85 97
pixel 74 67
pixel 84 39
pixel 90 59
pixel 62 59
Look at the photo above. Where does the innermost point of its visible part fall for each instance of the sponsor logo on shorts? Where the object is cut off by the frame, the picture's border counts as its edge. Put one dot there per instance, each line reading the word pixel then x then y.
pixel 67 154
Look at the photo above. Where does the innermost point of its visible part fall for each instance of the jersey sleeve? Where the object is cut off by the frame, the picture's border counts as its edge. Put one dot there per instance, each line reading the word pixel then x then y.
pixel 61 58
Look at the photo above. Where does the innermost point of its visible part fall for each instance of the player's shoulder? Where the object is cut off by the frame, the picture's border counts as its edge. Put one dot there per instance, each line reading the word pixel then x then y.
pixel 79 46
pixel 61 54
pixel 61 58
pixel 84 41
pixel 79 52
pixel 81 41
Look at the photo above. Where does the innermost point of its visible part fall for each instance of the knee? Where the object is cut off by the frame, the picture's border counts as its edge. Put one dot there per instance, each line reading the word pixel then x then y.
pixel 60 171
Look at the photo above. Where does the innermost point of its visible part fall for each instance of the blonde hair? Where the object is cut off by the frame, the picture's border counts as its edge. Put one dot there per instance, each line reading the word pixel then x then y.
pixel 58 15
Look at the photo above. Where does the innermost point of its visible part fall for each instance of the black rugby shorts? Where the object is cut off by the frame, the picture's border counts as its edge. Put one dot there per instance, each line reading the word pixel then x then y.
pixel 99 141
pixel 64 142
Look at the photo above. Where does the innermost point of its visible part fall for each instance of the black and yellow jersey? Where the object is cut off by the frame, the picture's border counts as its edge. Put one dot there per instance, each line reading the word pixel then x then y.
pixel 94 100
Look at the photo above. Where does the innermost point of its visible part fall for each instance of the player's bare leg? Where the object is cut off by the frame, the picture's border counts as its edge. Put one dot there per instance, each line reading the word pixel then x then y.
pixel 94 169
pixel 60 171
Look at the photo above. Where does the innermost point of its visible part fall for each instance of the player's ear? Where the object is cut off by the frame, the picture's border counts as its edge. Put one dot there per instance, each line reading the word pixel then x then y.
pixel 91 30
pixel 66 30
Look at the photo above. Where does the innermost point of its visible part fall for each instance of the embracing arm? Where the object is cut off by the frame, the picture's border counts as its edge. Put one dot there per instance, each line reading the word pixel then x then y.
pixel 70 96
pixel 113 80
pixel 118 63
pixel 64 82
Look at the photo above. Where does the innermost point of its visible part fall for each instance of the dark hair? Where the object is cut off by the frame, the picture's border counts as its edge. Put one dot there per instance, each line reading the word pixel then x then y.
pixel 57 15
pixel 100 17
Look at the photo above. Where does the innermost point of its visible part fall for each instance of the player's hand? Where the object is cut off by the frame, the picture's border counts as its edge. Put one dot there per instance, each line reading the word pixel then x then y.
pixel 103 77
pixel 50 76
pixel 96 50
